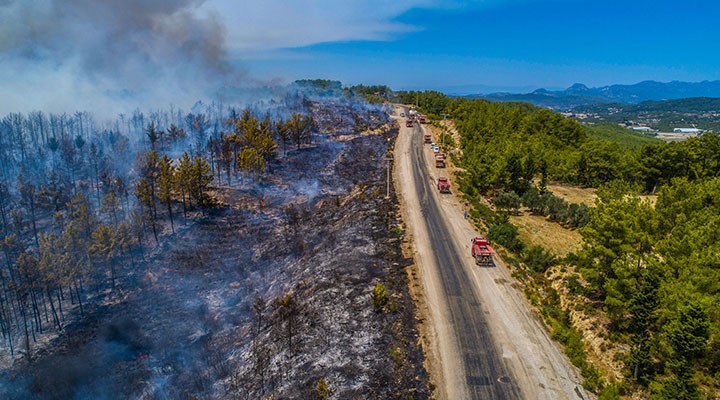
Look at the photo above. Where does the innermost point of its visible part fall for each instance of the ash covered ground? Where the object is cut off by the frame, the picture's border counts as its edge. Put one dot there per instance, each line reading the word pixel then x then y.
pixel 267 296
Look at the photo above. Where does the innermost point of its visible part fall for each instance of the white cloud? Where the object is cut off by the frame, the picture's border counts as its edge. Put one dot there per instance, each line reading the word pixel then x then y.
pixel 274 24
pixel 65 54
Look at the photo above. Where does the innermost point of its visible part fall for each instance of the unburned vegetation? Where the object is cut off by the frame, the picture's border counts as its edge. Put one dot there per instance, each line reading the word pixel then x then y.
pixel 633 296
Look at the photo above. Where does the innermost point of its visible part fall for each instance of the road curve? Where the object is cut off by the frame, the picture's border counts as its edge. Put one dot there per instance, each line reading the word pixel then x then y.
pixel 485 337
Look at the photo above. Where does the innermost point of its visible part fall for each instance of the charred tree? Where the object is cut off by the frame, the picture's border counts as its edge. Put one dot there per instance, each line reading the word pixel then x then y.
pixel 166 184
pixel 27 194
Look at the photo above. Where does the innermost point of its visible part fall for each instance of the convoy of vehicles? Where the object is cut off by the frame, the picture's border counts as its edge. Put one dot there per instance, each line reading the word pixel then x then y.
pixel 481 250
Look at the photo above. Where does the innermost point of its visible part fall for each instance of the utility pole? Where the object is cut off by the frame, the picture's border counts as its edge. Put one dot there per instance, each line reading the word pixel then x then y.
pixel 388 160
pixel 387 168
pixel 443 131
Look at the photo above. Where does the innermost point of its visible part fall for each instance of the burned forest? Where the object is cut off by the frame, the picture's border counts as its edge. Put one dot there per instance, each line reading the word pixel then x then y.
pixel 222 252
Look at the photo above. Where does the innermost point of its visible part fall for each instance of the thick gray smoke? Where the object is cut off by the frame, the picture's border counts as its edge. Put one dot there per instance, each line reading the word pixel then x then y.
pixel 110 56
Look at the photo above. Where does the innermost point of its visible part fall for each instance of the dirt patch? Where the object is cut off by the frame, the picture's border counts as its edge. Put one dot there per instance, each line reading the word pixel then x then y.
pixel 574 194
pixel 537 230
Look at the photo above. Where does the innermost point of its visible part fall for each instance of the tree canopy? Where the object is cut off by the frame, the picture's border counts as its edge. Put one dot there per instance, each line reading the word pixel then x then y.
pixel 652 269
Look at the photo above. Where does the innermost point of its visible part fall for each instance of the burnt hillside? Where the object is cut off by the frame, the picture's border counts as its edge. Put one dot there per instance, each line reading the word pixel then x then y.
pixel 268 294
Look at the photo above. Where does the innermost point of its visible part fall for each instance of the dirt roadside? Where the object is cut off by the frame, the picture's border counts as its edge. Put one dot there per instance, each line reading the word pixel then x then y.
pixel 539 365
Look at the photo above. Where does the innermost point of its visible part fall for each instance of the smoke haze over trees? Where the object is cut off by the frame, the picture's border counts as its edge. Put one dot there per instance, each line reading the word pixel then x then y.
pixel 112 234
pixel 78 54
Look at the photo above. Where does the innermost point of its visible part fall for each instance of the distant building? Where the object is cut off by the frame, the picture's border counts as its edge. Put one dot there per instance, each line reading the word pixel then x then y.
pixel 641 128
pixel 693 131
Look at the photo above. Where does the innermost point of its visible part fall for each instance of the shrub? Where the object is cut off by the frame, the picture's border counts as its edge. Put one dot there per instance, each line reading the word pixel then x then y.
pixel 556 208
pixel 322 388
pixel 609 392
pixel 398 357
pixel 508 201
pixel 506 235
pixel 512 262
pixel 379 296
pixel 538 259
pixel 592 380
pixel 547 204
pixel 574 286
pixel 483 212
pixel 532 200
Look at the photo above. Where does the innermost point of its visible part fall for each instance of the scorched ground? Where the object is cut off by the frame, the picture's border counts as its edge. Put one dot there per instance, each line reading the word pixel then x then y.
pixel 268 295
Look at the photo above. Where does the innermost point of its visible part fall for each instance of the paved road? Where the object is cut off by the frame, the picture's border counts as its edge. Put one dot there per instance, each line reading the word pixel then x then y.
pixel 483 339
pixel 486 376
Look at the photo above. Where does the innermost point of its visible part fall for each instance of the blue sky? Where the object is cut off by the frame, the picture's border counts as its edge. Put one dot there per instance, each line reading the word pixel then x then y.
pixel 63 55
pixel 514 44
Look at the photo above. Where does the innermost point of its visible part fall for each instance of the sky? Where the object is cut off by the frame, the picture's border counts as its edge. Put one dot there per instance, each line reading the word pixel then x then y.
pixel 89 53
pixel 517 44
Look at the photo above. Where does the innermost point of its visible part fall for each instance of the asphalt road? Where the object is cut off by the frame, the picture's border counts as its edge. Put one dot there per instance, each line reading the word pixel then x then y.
pixel 485 372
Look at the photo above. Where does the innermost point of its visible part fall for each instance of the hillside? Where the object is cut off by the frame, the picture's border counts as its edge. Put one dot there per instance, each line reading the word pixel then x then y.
pixel 614 133
pixel 247 270
pixel 636 312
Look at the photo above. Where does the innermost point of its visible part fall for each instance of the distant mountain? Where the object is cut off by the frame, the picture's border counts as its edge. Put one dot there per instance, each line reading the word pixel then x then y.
pixel 463 90
pixel 652 90
pixel 580 95
pixel 693 105
pixel 559 100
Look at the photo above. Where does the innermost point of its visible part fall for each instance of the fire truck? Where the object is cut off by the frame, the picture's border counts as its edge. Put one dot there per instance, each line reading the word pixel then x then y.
pixel 482 252
pixel 443 185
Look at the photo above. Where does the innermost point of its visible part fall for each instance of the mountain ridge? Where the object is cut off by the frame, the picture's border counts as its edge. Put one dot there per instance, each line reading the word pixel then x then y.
pixel 579 94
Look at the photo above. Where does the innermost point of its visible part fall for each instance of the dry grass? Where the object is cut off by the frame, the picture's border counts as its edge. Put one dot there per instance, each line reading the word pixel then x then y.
pixel 672 136
pixel 587 196
pixel 650 198
pixel 601 352
pixel 537 230
pixel 574 194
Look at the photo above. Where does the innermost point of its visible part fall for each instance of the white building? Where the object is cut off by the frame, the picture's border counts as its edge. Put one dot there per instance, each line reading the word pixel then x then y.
pixel 693 131
pixel 641 128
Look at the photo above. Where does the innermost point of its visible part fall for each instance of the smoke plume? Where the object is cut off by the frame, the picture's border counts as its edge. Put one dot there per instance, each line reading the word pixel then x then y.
pixel 63 55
